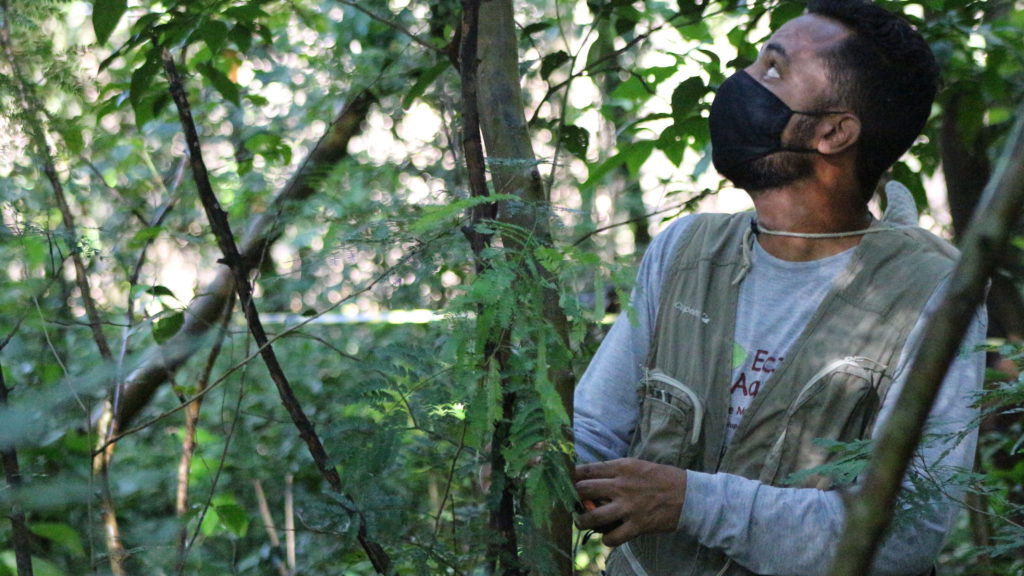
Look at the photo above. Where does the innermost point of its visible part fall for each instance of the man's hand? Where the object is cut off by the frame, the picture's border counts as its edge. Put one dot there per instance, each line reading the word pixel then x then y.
pixel 633 497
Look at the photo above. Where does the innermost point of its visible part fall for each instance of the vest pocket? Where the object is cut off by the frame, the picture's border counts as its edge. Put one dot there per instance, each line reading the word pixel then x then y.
pixel 669 427
pixel 836 404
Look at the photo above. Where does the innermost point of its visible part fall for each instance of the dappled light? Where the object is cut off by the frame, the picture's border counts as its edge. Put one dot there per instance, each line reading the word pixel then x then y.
pixel 278 300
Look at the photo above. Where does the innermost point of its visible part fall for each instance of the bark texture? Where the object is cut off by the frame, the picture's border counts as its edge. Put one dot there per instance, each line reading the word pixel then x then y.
pixel 513 168
pixel 239 271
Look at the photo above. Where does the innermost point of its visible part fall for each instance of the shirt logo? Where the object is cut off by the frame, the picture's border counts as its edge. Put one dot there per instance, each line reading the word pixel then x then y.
pixel 704 318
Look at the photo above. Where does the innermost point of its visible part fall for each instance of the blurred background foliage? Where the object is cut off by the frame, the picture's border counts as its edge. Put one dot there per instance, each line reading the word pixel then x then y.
pixel 93 168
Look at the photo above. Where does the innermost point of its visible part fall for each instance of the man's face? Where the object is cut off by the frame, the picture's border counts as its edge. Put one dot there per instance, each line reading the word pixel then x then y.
pixel 791 66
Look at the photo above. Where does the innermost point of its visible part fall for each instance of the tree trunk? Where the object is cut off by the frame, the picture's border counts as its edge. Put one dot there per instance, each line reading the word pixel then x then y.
pixel 514 171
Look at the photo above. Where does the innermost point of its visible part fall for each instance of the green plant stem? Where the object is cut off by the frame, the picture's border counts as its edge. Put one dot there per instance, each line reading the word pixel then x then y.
pixel 870 511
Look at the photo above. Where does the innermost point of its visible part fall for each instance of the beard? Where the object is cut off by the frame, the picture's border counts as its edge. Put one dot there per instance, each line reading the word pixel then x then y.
pixel 779 168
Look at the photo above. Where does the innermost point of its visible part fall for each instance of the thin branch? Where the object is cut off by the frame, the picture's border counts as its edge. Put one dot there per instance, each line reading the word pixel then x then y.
pixel 232 258
pixel 20 534
pixel 33 123
pixel 263 231
pixel 393 26
pixel 289 521
pixel 269 527
pixel 674 208
pixel 870 511
pixel 450 481
pixel 243 362
pixel 216 479
pixel 188 445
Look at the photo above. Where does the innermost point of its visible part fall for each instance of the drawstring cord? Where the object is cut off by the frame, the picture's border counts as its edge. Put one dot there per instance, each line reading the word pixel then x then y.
pixel 748 243
pixel 755 228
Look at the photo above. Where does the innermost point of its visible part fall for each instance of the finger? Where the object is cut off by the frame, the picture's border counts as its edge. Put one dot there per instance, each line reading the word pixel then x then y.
pixel 596 490
pixel 589 471
pixel 620 535
pixel 600 518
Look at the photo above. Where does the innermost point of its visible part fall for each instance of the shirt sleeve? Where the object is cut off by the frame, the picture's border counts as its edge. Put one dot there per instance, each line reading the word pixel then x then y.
pixel 605 400
pixel 744 517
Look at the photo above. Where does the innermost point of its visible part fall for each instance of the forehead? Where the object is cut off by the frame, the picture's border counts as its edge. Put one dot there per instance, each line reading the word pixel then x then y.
pixel 806 37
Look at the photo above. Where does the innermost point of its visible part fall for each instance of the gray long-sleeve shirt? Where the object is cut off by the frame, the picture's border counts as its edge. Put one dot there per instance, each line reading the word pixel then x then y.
pixel 773 530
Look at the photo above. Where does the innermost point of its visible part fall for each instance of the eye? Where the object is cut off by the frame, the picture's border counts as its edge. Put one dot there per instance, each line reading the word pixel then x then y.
pixel 772 73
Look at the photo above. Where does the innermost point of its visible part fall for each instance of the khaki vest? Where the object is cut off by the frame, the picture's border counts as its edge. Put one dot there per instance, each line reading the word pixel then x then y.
pixel 830 385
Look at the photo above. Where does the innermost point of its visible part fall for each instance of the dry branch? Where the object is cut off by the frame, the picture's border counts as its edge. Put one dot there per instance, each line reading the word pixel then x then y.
pixel 161 361
pixel 870 511
pixel 233 259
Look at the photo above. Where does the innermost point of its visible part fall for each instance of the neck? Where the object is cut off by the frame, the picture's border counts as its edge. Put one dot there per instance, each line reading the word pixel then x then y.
pixel 808 210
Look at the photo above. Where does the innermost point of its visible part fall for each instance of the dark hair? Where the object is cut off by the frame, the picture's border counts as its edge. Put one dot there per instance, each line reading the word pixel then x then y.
pixel 886 74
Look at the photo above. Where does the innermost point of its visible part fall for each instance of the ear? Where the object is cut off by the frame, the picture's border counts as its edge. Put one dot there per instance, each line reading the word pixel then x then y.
pixel 837 133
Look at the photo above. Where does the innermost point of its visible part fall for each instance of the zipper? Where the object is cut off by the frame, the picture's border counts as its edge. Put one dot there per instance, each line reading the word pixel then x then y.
pixel 858 361
pixel 698 406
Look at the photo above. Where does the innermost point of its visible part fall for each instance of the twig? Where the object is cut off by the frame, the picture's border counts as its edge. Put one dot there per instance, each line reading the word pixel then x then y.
pixel 393 26
pixel 188 445
pixel 271 529
pixel 870 511
pixel 675 208
pixel 241 363
pixel 216 480
pixel 32 121
pixel 289 521
pixel 450 481
pixel 225 239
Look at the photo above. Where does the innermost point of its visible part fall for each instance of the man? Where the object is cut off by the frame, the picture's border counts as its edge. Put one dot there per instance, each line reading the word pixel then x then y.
pixel 758 335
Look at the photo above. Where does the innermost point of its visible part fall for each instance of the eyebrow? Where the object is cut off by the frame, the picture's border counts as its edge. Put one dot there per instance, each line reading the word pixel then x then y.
pixel 778 49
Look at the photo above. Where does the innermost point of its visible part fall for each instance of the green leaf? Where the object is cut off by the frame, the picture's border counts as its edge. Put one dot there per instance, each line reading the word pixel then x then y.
pixel 40 567
pixel 672 143
pixel 597 173
pixel 139 88
pixel 636 154
pixel 551 62
pixel 213 33
pixel 234 518
pixel 537 27
pixel 784 12
pixel 658 74
pixel 576 140
pixel 632 89
pixel 438 214
pixel 167 326
pixel 686 97
pixel 247 13
pixel 105 16
pixel 61 534
pixel 221 82
pixel 269 145
pixel 426 78
pixel 144 235
pixel 159 291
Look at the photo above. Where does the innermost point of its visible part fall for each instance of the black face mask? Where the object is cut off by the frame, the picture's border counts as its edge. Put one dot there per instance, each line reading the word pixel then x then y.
pixel 746 124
